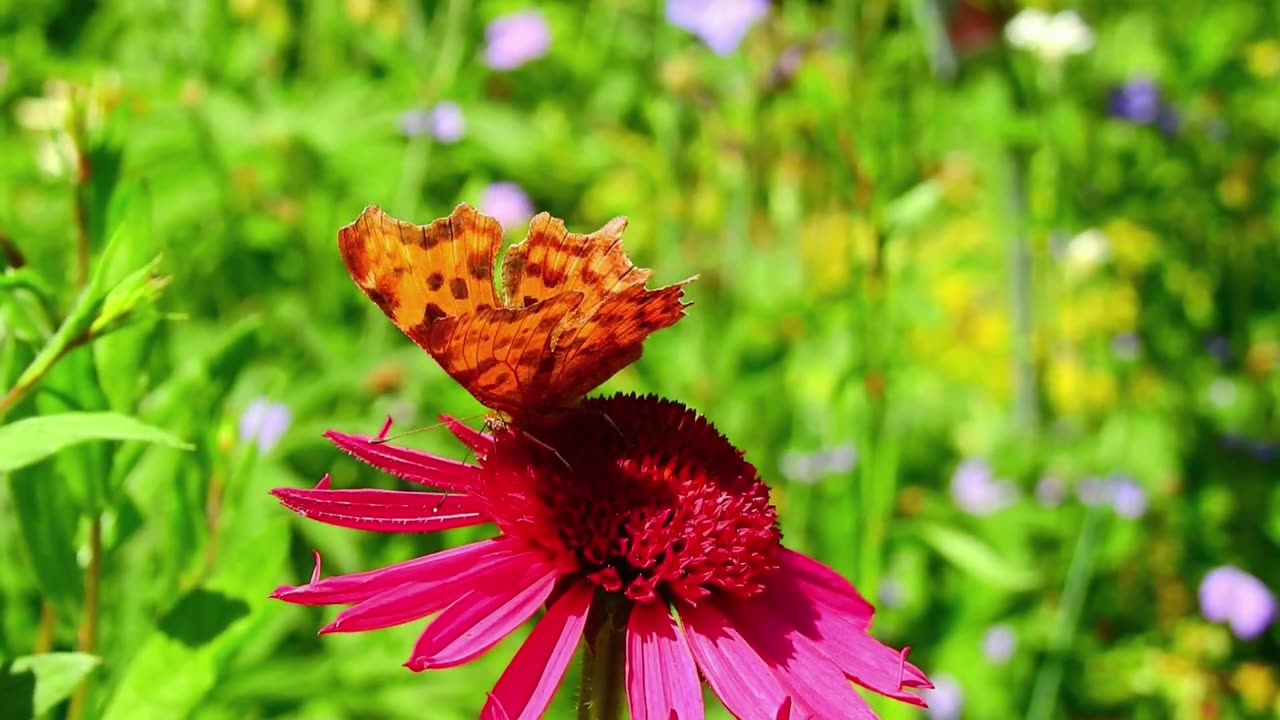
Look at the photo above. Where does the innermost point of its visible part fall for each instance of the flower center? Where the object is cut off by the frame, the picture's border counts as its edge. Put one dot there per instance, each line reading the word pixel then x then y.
pixel 640 494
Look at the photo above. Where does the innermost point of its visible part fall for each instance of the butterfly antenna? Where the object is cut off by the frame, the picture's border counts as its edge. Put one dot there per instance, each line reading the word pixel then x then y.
pixel 465 458
pixel 384 438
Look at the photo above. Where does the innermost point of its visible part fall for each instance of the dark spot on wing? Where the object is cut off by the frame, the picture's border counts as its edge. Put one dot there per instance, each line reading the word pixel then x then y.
pixel 434 312
pixel 435 280
pixel 458 288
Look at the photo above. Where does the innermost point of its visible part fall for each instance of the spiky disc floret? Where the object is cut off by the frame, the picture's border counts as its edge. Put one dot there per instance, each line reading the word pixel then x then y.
pixel 640 494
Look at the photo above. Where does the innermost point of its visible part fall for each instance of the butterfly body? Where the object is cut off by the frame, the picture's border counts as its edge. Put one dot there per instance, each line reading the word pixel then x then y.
pixel 571 310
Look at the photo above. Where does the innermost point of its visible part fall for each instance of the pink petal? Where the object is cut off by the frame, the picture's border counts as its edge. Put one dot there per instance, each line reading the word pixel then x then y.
pixel 742 680
pixel 496 604
pixel 662 679
pixel 415 600
pixel 822 583
pixel 384 510
pixel 816 685
pixel 493 709
pixel 479 443
pixel 412 465
pixel 530 681
pixel 804 617
pixel 357 587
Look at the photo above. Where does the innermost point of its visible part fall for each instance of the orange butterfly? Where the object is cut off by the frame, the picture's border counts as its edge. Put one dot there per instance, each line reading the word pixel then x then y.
pixel 571 313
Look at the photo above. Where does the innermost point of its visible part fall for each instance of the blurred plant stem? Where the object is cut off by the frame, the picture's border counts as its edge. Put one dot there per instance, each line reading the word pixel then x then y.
pixel 1026 412
pixel 44 633
pixel 89 624
pixel 603 664
pixel 82 217
pixel 33 374
pixel 1048 679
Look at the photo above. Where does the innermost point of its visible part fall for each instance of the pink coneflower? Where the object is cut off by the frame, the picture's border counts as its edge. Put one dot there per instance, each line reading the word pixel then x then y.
pixel 641 529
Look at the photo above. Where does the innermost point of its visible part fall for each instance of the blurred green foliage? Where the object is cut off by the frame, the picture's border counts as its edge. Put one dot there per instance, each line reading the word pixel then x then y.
pixel 916 240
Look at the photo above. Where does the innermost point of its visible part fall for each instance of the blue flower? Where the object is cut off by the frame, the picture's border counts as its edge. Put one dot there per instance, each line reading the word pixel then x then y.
pixel 1137 101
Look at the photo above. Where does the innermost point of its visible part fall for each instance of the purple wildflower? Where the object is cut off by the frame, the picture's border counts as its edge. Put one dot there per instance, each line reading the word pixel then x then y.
pixel 720 24
pixel 507 203
pixel 890 593
pixel 1126 346
pixel 1091 491
pixel 444 122
pixel 1219 348
pixel 998 643
pixel 1050 491
pixel 807 468
pixel 1126 496
pixel 263 422
pixel 1137 101
pixel 1230 594
pixel 946 699
pixel 800 467
pixel 976 491
pixel 516 38
pixel 415 122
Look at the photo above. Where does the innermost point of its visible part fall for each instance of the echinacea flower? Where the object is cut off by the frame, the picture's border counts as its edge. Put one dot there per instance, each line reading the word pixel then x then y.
pixel 263 422
pixel 619 518
pixel 1229 594
pixel 720 24
pixel 507 203
pixel 516 38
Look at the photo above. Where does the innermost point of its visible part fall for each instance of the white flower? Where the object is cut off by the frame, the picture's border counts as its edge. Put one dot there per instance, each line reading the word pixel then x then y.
pixel 1086 251
pixel 1050 37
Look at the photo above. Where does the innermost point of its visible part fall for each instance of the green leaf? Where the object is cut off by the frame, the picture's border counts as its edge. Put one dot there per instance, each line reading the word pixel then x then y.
pixel 975 557
pixel 32 685
pixel 31 440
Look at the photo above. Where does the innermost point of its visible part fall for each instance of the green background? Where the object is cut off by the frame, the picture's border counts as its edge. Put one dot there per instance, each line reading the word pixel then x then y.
pixel 893 236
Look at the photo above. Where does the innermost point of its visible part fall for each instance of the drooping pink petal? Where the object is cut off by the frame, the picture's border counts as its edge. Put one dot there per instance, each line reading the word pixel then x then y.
pixel 913 676
pixel 807 619
pixel 357 587
pixel 400 511
pixel 530 681
pixel 816 685
pixel 742 680
pixel 498 602
pixel 412 465
pixel 415 600
pixel 479 442
pixel 662 679
pixel 822 583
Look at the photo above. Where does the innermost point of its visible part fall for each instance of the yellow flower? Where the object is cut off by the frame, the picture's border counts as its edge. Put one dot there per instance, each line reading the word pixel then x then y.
pixel 1256 684
pixel 1133 246
pixel 1263 58
pixel 1262 357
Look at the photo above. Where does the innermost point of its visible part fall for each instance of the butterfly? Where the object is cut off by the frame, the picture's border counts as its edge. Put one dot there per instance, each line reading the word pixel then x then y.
pixel 571 311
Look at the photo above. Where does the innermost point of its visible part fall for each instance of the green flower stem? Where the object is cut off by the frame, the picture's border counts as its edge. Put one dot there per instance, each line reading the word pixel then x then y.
pixel 89 624
pixel 1049 677
pixel 603 664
